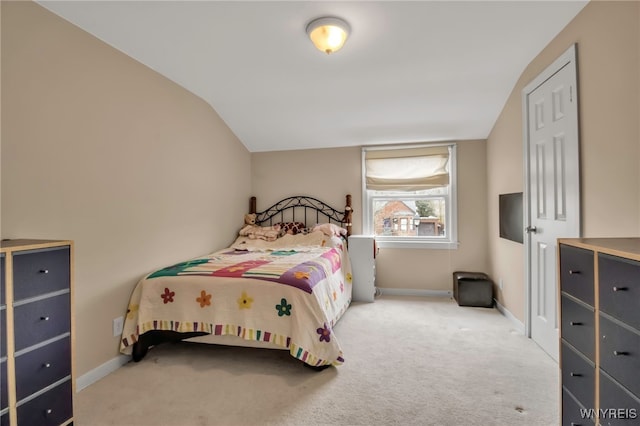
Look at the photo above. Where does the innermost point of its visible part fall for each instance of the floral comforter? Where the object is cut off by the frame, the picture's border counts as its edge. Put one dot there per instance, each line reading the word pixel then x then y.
pixel 291 297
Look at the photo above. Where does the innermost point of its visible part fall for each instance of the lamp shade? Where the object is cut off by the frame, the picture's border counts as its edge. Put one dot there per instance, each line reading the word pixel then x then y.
pixel 328 34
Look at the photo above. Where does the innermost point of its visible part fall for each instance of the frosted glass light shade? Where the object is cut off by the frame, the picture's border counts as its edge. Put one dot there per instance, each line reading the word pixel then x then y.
pixel 328 34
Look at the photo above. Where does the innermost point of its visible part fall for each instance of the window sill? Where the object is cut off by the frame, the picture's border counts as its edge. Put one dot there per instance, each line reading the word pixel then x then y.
pixel 420 245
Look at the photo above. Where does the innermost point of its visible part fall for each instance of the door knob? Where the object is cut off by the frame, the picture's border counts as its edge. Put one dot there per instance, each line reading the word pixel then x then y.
pixel 531 229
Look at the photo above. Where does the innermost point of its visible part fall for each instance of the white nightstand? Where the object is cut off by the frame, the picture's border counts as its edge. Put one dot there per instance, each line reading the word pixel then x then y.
pixel 362 253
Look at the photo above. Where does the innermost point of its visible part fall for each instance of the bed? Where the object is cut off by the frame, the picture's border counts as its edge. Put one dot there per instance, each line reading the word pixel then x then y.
pixel 283 293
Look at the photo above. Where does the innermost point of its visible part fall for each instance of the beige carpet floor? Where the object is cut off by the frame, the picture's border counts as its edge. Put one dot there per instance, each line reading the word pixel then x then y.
pixel 408 361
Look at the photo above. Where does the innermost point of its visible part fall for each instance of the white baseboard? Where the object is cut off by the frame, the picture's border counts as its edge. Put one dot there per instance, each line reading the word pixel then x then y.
pixel 415 292
pixel 101 371
pixel 519 326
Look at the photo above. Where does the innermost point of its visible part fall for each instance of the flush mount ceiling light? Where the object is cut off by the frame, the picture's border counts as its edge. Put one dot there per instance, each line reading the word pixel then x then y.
pixel 328 34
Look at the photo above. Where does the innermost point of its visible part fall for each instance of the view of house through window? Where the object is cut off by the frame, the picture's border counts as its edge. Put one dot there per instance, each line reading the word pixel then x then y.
pixel 405 216
pixel 408 194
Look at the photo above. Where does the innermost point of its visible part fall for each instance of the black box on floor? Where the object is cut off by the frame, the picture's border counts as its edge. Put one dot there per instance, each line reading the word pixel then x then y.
pixel 473 289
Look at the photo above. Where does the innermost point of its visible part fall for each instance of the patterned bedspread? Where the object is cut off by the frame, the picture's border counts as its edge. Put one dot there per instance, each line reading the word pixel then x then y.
pixel 291 298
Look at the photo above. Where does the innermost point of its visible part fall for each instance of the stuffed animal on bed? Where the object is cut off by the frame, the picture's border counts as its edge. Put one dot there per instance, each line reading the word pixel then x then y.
pixel 250 219
pixel 330 229
pixel 253 231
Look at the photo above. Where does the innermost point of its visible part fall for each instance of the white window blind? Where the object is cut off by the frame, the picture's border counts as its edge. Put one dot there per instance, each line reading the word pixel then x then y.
pixel 412 169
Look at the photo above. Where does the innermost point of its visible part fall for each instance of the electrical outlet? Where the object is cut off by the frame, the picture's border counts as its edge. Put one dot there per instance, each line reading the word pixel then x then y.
pixel 118 325
pixel 500 284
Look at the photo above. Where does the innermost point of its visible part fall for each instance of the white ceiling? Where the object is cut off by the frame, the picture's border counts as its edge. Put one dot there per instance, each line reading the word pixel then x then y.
pixel 411 70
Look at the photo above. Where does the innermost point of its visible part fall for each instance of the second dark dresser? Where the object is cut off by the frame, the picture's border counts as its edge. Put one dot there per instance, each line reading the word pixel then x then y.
pixel 600 331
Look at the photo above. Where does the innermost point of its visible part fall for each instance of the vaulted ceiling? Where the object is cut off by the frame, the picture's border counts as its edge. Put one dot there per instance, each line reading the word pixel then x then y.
pixel 411 71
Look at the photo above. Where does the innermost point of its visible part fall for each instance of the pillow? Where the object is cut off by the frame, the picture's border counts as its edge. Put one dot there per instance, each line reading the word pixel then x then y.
pixel 268 233
pixel 292 228
pixel 330 229
pixel 299 242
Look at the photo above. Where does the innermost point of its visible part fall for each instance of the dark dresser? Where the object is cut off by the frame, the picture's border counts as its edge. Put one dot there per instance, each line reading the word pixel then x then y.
pixel 600 331
pixel 37 329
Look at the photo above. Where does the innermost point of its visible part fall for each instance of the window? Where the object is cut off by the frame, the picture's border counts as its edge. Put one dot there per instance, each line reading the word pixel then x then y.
pixel 409 195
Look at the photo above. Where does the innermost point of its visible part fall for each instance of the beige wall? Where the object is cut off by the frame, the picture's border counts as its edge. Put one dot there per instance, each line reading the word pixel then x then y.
pixel 328 174
pixel 99 149
pixel 638 121
pixel 608 43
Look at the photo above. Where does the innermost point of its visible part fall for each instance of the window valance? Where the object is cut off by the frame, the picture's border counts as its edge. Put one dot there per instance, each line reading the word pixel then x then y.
pixel 407 169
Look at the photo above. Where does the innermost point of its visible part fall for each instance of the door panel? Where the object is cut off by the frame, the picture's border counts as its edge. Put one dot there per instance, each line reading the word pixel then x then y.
pixel 552 164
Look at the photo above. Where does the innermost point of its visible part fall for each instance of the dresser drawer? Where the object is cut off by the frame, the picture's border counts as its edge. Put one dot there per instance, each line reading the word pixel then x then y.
pixel 620 288
pixel 576 272
pixel 578 375
pixel 577 326
pixel 571 412
pixel 41 320
pixel 42 367
pixel 3 332
pixel 38 272
pixel 52 408
pixel 2 285
pixel 617 405
pixel 4 419
pixel 4 403
pixel 620 353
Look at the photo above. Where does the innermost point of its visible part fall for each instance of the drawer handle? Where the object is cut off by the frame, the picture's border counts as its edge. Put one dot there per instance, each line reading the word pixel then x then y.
pixel 44 271
pixel 572 272
pixel 576 424
pixel 48 411
pixel 575 374
pixel 575 323
pixel 620 353
pixel 620 288
pixel 44 318
pixel 47 365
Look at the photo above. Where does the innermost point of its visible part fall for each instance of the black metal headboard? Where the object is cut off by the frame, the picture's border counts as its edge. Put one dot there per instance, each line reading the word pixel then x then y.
pixel 302 208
